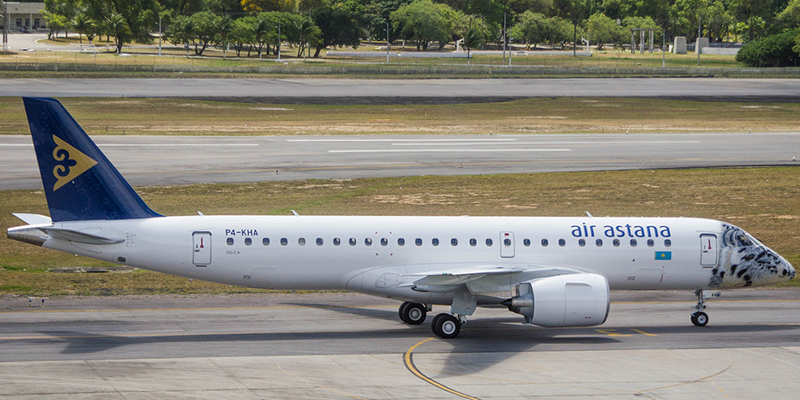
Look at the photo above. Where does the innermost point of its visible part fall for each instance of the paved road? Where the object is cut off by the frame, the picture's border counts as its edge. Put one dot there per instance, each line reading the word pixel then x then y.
pixel 160 160
pixel 408 90
pixel 349 345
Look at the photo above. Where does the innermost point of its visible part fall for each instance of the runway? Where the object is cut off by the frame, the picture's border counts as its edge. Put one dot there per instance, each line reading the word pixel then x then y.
pixel 338 345
pixel 409 91
pixel 162 160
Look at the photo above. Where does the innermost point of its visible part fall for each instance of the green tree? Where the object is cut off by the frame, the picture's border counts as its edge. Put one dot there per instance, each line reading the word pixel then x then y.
pixel 242 34
pixel 83 24
pixel 55 23
pixel 339 28
pixel 531 29
pixel 424 21
pixel 224 26
pixel 736 29
pixel 310 35
pixel 473 38
pixel 602 30
pixel 790 16
pixel 119 29
pixel 686 15
pixel 718 20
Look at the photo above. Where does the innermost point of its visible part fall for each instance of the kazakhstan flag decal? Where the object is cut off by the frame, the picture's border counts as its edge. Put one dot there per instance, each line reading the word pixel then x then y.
pixel 663 255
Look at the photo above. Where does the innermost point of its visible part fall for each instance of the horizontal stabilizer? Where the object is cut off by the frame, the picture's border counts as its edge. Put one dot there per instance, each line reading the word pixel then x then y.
pixel 33 219
pixel 38 234
pixel 79 237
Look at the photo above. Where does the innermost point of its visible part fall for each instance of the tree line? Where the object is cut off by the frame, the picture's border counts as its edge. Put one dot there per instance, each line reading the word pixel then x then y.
pixel 254 27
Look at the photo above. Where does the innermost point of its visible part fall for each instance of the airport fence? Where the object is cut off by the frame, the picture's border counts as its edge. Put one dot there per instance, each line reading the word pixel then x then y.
pixel 388 69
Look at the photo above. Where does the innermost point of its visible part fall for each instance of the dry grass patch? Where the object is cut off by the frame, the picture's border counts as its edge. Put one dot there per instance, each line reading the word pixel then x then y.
pixel 100 116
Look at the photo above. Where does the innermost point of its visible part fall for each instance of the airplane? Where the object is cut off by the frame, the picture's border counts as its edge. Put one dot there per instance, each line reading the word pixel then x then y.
pixel 554 271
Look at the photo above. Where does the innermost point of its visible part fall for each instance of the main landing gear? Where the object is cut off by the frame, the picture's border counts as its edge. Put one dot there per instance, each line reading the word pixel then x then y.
pixel 700 318
pixel 444 325
pixel 413 313
pixel 447 326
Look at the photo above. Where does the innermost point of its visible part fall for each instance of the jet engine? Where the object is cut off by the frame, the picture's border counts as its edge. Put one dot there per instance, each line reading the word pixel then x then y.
pixel 562 300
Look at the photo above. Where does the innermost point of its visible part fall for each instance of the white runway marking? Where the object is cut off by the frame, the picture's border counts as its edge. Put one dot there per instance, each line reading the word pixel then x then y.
pixel 402 140
pixel 448 150
pixel 179 144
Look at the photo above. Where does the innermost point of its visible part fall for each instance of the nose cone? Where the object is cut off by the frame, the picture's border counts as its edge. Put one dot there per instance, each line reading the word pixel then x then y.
pixel 769 269
pixel 788 269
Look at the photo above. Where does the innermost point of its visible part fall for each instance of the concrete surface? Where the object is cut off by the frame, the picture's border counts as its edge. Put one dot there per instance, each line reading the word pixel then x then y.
pixel 344 346
pixel 152 160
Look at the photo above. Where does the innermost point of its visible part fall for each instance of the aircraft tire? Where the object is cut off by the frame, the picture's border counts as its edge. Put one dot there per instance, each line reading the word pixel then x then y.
pixel 700 319
pixel 401 312
pixel 446 326
pixel 414 313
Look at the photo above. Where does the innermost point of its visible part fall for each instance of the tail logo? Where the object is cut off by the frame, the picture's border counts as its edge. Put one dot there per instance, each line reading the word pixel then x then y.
pixel 71 163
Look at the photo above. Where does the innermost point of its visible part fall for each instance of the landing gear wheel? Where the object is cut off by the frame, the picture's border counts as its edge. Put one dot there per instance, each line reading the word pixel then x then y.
pixel 700 318
pixel 446 326
pixel 412 313
pixel 401 311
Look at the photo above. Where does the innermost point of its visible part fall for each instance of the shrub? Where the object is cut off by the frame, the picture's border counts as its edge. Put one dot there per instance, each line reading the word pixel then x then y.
pixel 771 51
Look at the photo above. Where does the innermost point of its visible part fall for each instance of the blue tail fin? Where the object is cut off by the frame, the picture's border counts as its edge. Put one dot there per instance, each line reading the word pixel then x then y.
pixel 79 181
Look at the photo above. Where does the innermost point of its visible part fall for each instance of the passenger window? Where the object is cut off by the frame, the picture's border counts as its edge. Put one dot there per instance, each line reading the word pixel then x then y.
pixel 320 242
pixel 337 241
pixel 301 241
pixel 650 243
pixel 507 242
pixel 284 241
pixel 489 242
pixel 633 243
pixel 616 242
pixel 384 242
pixel 473 242
pixel 454 242
pixel 229 241
pixel 545 242
pixel 368 241
pixel 599 242
pixel 581 242
pixel 667 243
pixel 418 241
pixel 562 242
pixel 265 241
pixel 435 241
pixel 401 242
pixel 352 241
pixel 248 241
pixel 526 242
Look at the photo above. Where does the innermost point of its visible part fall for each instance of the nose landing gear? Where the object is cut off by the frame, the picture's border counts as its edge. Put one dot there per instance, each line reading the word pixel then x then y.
pixel 700 318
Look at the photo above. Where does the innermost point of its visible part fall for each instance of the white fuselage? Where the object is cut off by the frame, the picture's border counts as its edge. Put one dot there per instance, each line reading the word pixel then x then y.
pixel 375 255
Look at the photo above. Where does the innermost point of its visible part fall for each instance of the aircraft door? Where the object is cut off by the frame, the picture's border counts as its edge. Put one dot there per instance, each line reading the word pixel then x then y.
pixel 709 250
pixel 507 244
pixel 202 248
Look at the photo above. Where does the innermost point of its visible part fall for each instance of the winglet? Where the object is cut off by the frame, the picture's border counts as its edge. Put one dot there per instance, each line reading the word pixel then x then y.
pixel 79 181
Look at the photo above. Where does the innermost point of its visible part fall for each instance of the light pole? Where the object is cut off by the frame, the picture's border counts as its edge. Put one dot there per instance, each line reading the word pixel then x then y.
pixel 279 40
pixel 159 35
pixel 5 26
pixel 387 41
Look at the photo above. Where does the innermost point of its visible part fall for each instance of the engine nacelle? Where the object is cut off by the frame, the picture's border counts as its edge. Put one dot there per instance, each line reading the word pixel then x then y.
pixel 563 300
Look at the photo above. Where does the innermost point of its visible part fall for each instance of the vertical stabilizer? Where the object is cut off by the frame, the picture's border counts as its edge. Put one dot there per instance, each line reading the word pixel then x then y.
pixel 79 181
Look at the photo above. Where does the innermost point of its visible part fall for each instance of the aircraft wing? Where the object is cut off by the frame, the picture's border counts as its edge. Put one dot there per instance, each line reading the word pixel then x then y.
pixel 481 278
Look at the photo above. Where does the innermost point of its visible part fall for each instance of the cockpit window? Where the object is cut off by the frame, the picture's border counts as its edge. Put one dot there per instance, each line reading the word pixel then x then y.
pixel 743 240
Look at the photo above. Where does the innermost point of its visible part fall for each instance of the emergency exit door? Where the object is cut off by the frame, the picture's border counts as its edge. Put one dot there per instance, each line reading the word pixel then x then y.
pixel 202 248
pixel 709 250
pixel 507 244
